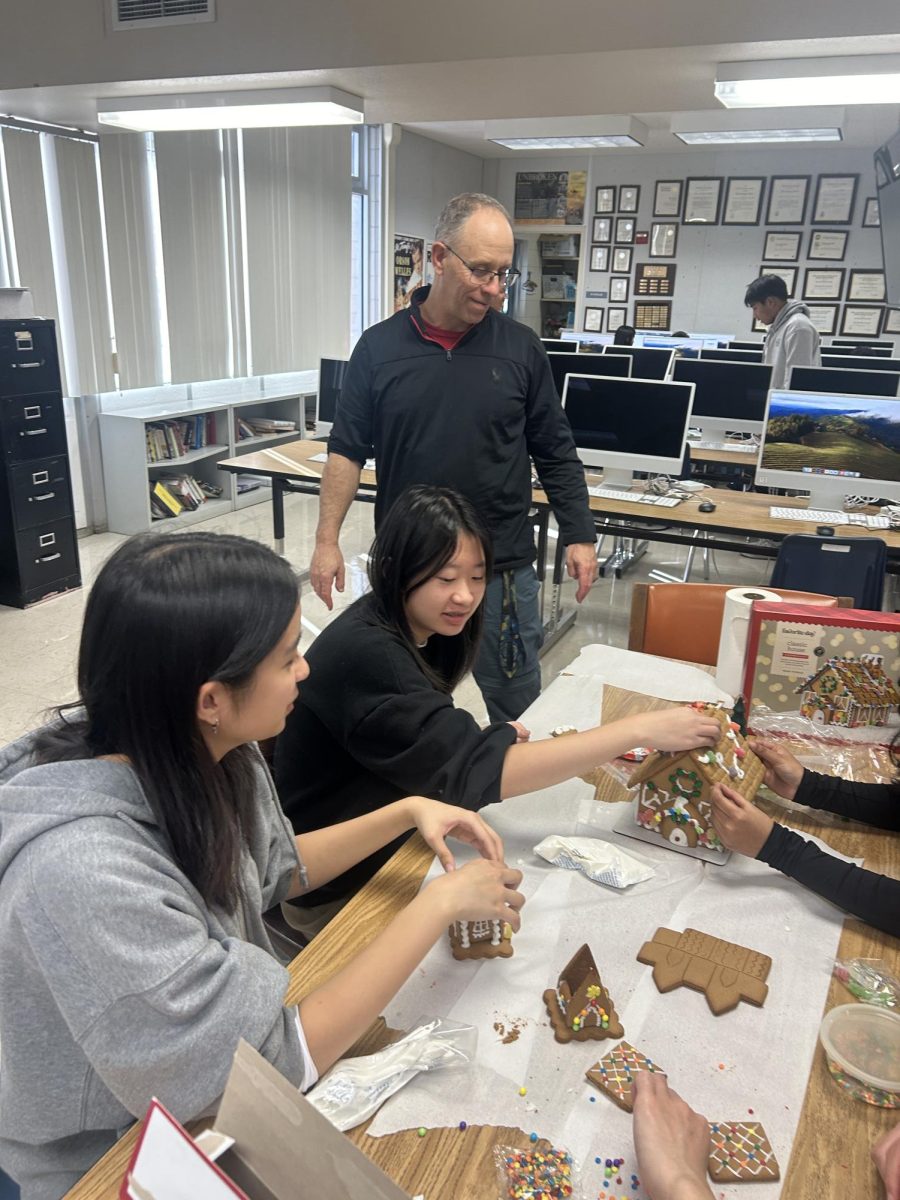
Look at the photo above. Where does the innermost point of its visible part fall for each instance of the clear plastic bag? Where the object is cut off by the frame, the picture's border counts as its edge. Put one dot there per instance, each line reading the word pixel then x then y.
pixel 355 1088
pixel 870 980
pixel 539 1173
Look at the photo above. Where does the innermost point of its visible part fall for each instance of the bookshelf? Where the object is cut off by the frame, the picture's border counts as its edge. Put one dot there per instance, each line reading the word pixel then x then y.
pixel 551 256
pixel 128 475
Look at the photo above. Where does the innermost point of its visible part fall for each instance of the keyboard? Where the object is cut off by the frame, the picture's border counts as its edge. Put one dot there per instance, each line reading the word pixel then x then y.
pixel 604 493
pixel 740 447
pixel 822 516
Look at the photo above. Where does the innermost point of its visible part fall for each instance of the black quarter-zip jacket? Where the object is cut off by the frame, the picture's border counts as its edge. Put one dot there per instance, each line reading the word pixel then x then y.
pixel 467 418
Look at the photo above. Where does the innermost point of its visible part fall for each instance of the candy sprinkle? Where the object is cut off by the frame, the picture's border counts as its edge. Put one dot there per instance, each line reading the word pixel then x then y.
pixel 422 1131
pixel 523 1091
pixel 463 1126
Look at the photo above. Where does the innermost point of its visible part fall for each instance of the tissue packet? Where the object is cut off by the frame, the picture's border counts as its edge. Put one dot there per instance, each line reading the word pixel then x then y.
pixel 599 860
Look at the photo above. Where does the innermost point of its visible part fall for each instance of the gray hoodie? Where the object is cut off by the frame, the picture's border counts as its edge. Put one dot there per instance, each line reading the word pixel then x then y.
pixel 792 341
pixel 117 982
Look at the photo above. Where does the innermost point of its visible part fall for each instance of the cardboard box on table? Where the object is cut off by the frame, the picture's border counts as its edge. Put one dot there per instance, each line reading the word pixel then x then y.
pixel 280 1148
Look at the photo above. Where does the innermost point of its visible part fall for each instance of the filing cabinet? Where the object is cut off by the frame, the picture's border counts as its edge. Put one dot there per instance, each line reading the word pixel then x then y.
pixel 38 546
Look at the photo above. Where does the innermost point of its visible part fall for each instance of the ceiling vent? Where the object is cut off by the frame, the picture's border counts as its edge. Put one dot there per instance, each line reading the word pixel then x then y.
pixel 142 14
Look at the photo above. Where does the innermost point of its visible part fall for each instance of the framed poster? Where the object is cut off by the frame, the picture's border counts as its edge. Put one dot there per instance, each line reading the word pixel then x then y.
pixel 892 321
pixel 702 201
pixel 866 285
pixel 618 290
pixel 861 320
pixel 625 230
pixel 621 262
pixel 827 244
pixel 629 198
pixel 788 274
pixel 541 197
pixel 824 317
pixel 835 197
pixel 787 200
pixel 593 320
pixel 663 239
pixel 409 268
pixel 823 283
pixel 605 200
pixel 654 279
pixel 602 229
pixel 599 258
pixel 781 247
pixel 615 317
pixel 871 215
pixel 652 314
pixel 743 200
pixel 667 198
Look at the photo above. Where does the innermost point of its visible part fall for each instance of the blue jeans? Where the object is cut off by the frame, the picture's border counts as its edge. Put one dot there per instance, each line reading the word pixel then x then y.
pixel 506 698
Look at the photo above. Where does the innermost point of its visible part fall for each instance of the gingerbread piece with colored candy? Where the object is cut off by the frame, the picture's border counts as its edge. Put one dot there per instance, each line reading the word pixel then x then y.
pixel 741 1152
pixel 615 1072
pixel 579 1006
pixel 725 972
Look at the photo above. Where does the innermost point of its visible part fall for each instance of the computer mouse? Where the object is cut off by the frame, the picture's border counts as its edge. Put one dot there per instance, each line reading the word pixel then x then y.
pixel 825 530
pixel 707 506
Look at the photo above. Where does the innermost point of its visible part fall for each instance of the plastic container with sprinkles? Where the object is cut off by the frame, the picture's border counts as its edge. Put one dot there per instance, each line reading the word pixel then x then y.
pixel 862 1049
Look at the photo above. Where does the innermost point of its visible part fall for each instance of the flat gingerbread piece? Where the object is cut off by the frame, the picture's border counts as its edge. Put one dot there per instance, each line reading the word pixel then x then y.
pixel 740 1151
pixel 481 939
pixel 579 1007
pixel 614 1073
pixel 725 972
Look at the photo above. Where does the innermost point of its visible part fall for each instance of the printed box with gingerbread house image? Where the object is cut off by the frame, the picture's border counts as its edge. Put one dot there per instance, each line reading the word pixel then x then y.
pixel 823 674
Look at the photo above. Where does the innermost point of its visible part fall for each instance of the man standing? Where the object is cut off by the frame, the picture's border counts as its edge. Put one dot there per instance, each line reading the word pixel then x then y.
pixel 452 392
pixel 792 340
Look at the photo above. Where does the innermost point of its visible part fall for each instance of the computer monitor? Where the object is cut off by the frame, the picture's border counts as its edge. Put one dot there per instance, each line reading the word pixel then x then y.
pixel 757 345
pixel 728 397
pixel 859 362
pixel 646 363
pixel 844 381
pixel 713 339
pixel 880 343
pixel 748 356
pixel 628 425
pixel 859 350
pixel 831 446
pixel 558 344
pixel 617 365
pixel 331 380
pixel 665 341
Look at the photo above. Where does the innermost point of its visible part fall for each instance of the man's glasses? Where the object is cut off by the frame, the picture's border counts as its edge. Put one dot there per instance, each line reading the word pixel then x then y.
pixel 485 275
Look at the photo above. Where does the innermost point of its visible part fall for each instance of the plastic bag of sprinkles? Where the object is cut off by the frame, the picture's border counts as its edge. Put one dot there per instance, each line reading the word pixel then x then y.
pixel 541 1172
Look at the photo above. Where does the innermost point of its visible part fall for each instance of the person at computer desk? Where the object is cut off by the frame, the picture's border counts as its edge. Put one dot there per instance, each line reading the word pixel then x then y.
pixel 375 720
pixel 624 335
pixel 742 827
pixel 453 392
pixel 792 340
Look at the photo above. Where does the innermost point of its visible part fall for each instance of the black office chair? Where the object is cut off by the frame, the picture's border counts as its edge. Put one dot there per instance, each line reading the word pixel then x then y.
pixel 851 566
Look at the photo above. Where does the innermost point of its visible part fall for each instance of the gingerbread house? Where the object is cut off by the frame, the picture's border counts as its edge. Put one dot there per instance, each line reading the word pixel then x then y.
pixel 849 691
pixel 481 939
pixel 673 788
pixel 579 1006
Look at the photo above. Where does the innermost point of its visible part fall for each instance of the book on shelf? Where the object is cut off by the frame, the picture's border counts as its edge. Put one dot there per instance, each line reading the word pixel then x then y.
pixel 162 501
pixel 185 489
pixel 260 426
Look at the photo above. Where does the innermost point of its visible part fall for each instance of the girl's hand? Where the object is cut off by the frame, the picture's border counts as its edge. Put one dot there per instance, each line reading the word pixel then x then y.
pixel 481 891
pixel 783 772
pixel 739 823
pixel 670 1139
pixel 522 734
pixel 886 1157
pixel 678 729
pixel 436 821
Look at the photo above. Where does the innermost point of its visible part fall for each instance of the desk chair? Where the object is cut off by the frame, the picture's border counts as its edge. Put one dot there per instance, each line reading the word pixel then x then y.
pixel 825 564
pixel 684 620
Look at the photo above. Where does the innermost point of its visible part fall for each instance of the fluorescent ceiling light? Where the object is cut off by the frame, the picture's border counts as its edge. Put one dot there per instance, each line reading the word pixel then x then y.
pixel 721 137
pixel 567 133
pixel 721 128
pixel 864 79
pixel 234 110
pixel 566 143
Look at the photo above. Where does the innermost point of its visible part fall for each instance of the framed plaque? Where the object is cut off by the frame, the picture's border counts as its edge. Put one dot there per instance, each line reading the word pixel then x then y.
pixel 605 200
pixel 702 201
pixel 871 214
pixel 861 320
pixel 866 285
pixel 602 230
pixel 743 200
pixel 787 200
pixel 615 317
pixel 824 317
pixel 629 198
pixel 892 321
pixel 621 261
pixel 663 239
pixel 652 314
pixel 593 320
pixel 823 283
pixel 781 247
pixel 625 230
pixel 599 258
pixel 654 279
pixel 618 289
pixel 788 274
pixel 667 198
pixel 835 197
pixel 827 244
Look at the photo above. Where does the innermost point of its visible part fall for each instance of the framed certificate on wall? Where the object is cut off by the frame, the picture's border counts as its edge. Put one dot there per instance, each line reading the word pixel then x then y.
pixel 824 317
pixel 866 285
pixel 618 289
pixel 593 320
pixel 892 321
pixel 599 258
pixel 787 200
pixel 781 247
pixel 702 201
pixel 663 239
pixel 615 317
pixel 629 198
pixel 602 229
pixel 743 200
pixel 835 197
pixel 827 244
pixel 605 200
pixel 871 215
pixel 667 198
pixel 788 274
pixel 621 263
pixel 625 230
pixel 823 283
pixel 861 320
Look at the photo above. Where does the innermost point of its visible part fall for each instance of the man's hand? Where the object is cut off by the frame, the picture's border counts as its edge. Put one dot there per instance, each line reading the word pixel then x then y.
pixel 327 568
pixel 581 565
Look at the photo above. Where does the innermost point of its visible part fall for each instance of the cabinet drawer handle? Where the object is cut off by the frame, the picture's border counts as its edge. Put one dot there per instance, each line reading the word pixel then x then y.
pixel 45 496
pixel 49 558
pixel 27 366
pixel 32 432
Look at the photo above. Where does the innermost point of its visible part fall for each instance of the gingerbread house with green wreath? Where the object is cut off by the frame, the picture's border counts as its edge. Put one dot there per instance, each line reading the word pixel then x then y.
pixel 850 692
pixel 673 788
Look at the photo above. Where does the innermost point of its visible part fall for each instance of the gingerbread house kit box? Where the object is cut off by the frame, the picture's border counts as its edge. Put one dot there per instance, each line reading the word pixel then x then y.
pixel 833 671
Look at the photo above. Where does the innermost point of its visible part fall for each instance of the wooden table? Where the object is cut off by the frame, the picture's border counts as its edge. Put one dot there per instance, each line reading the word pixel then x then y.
pixel 830 1158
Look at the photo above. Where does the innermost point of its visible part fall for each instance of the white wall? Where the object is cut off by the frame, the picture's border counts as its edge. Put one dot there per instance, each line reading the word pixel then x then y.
pixel 714 263
pixel 426 175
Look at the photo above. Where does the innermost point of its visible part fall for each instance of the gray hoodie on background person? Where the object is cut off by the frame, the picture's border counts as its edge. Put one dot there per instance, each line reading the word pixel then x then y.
pixel 117 982
pixel 792 341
